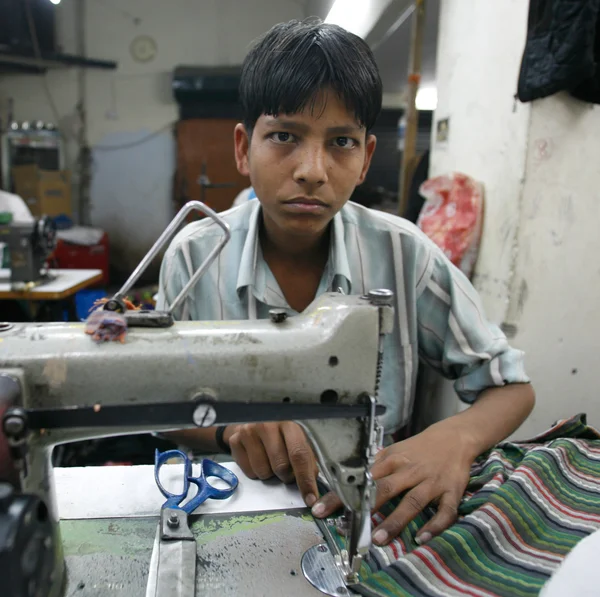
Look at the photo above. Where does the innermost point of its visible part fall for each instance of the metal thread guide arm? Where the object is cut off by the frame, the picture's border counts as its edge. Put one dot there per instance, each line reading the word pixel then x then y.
pixel 116 302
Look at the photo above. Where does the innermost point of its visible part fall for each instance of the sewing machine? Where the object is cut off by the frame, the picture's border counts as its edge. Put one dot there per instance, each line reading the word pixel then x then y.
pixel 320 368
pixel 28 244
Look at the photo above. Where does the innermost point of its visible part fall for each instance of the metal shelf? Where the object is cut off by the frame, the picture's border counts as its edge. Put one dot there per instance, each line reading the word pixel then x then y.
pixel 12 62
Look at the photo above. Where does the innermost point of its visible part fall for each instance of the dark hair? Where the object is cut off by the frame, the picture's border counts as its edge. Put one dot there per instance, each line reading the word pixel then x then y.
pixel 290 64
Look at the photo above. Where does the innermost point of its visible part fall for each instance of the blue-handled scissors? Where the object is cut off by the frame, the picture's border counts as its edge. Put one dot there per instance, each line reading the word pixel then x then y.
pixel 206 491
pixel 173 564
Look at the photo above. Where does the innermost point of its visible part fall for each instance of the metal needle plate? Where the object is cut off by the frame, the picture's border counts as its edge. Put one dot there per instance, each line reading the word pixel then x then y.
pixel 320 569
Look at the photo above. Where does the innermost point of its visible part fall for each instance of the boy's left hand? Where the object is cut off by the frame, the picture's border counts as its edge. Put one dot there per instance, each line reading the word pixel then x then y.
pixel 433 466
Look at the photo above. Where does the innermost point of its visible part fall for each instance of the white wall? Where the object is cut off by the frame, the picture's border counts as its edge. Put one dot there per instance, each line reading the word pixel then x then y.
pixel 479 52
pixel 556 290
pixel 537 270
pixel 478 55
pixel 131 190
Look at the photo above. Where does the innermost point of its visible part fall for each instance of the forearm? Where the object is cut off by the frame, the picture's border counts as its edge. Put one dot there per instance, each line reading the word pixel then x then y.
pixel 196 439
pixel 496 414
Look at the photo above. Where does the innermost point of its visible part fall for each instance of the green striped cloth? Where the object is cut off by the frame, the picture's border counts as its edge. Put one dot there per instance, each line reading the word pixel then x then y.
pixel 527 505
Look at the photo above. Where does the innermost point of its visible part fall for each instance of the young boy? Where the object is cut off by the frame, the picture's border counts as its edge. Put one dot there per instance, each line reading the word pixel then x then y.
pixel 310 94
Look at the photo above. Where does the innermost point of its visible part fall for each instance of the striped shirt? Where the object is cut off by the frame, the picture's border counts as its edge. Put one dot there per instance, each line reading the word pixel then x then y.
pixel 439 317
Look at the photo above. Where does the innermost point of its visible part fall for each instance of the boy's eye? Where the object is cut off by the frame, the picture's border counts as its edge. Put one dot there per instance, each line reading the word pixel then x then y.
pixel 283 137
pixel 345 142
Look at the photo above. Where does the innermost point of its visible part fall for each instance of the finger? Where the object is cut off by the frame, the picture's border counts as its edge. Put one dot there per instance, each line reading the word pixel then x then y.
pixel 391 463
pixel 387 488
pixel 302 460
pixel 257 454
pixel 391 486
pixel 249 454
pixel 414 502
pixel 327 505
pixel 276 449
pixel 240 456
pixel 446 516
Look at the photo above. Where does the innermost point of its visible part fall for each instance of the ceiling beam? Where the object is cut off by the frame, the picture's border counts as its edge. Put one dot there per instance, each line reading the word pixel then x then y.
pixel 395 15
pixel 381 20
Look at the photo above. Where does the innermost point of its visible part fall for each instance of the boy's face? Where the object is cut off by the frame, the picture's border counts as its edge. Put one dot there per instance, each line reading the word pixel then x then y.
pixel 305 166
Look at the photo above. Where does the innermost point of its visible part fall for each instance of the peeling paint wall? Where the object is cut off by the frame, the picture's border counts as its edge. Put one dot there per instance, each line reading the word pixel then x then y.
pixel 479 52
pixel 478 56
pixel 538 271
pixel 556 289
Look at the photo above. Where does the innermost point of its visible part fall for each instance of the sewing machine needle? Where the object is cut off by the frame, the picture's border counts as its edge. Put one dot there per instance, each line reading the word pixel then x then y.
pixel 359 538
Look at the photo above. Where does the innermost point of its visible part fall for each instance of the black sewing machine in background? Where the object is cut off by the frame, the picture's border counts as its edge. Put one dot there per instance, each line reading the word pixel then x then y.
pixel 29 246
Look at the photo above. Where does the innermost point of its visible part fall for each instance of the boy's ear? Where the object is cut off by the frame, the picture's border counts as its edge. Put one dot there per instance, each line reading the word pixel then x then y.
pixel 370 145
pixel 241 141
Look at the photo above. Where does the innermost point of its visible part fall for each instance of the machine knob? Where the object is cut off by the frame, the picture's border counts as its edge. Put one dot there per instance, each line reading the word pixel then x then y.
pixel 278 315
pixel 381 297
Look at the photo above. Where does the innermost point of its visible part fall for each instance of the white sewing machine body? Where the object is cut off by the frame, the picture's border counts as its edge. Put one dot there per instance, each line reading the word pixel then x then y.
pixel 320 368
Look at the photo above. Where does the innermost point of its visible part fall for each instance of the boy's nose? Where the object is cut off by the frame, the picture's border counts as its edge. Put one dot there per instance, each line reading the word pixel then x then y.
pixel 312 166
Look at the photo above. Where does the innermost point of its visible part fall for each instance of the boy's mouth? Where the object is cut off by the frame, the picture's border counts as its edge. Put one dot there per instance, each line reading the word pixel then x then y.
pixel 306 205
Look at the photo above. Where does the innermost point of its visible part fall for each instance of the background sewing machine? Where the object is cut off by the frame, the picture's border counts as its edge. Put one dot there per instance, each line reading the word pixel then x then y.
pixel 320 368
pixel 28 244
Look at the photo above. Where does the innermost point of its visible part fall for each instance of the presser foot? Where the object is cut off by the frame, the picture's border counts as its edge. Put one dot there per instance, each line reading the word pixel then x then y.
pixel 349 567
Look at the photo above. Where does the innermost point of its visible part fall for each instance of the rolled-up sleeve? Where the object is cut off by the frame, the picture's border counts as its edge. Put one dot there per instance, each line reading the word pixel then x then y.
pixel 456 338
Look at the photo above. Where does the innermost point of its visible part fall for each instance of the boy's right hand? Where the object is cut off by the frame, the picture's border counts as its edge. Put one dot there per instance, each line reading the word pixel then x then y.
pixel 264 450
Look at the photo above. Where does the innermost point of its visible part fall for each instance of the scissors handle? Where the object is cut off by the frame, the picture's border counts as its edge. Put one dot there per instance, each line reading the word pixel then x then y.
pixel 206 491
pixel 173 499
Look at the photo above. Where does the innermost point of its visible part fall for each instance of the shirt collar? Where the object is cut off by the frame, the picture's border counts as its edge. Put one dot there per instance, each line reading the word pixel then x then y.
pixel 250 251
pixel 338 256
pixel 337 264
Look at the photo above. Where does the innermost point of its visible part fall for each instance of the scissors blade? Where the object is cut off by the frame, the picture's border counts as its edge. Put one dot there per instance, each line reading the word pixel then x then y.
pixel 176 569
pixel 173 563
pixel 153 571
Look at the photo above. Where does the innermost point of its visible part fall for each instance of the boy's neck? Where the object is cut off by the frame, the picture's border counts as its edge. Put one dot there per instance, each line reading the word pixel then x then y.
pixel 309 250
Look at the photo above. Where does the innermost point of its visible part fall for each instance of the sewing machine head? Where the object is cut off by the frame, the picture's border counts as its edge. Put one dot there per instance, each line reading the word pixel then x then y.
pixel 320 368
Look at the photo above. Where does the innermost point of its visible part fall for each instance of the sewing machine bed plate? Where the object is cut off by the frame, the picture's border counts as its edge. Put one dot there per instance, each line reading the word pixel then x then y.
pixel 255 554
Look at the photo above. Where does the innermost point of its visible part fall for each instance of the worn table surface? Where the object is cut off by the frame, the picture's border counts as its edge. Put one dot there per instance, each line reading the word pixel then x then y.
pixel 66 283
pixel 255 555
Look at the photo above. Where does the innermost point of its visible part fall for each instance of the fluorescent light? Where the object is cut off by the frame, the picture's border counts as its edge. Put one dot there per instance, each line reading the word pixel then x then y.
pixel 55 1
pixel 427 98
pixel 352 15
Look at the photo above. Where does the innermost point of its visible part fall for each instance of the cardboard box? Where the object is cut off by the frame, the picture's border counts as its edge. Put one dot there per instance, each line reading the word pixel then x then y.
pixel 46 192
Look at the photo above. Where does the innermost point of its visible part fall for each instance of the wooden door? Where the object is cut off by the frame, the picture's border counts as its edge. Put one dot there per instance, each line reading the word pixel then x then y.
pixel 205 154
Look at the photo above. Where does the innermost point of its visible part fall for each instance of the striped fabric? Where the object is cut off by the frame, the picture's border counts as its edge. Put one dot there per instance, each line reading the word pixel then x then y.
pixel 526 507
pixel 439 315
